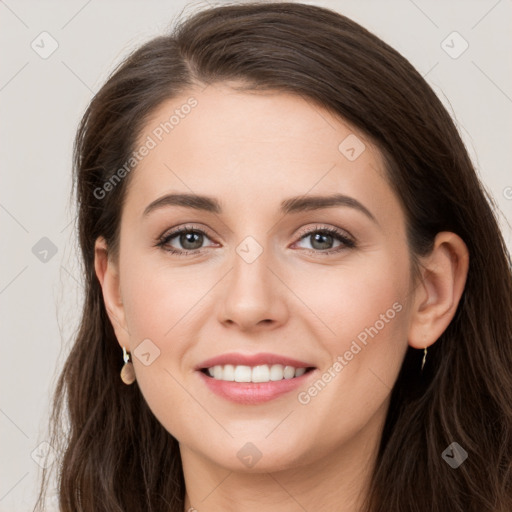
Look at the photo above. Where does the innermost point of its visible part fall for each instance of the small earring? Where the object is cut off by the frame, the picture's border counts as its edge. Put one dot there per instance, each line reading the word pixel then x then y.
pixel 127 371
pixel 424 358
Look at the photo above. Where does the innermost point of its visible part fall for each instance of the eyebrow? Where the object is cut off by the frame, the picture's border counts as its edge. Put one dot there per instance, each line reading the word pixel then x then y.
pixel 290 205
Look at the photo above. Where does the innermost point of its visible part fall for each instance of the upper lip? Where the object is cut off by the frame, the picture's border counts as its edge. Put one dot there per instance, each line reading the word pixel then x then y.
pixel 252 360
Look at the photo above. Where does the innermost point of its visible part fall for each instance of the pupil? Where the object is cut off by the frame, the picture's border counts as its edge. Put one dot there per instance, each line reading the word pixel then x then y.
pixel 318 238
pixel 189 238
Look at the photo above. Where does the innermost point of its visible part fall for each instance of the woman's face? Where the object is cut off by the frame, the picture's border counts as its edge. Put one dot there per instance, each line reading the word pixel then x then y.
pixel 263 285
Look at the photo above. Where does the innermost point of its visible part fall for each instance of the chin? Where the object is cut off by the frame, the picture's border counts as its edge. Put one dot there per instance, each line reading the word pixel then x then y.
pixel 257 456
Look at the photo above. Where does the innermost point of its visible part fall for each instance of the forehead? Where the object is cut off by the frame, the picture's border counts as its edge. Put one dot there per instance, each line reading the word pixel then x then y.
pixel 253 147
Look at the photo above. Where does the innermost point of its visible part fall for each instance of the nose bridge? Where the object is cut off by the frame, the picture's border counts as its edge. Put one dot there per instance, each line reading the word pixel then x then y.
pixel 252 292
pixel 250 276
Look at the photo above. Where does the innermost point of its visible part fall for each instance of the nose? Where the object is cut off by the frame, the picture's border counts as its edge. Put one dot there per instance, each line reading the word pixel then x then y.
pixel 253 296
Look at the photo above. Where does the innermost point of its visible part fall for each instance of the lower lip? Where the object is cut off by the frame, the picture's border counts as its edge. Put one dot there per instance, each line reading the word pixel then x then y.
pixel 253 392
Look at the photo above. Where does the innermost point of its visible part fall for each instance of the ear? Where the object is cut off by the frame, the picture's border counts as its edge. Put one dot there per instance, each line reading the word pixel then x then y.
pixel 108 275
pixel 443 277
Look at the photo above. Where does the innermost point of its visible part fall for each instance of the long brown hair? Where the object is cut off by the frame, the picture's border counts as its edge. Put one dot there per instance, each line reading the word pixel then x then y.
pixel 114 454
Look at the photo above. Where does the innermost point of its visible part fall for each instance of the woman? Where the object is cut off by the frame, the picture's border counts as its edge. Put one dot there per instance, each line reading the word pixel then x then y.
pixel 291 261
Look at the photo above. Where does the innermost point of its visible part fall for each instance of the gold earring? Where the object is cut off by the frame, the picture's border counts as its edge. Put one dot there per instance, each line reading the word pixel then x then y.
pixel 424 358
pixel 127 371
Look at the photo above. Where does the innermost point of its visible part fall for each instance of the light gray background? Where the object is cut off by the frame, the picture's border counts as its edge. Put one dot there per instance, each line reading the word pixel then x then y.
pixel 42 100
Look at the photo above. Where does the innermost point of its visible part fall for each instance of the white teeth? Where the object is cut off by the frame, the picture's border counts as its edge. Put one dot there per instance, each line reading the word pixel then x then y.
pixel 217 372
pixel 289 372
pixel 229 372
pixel 300 371
pixel 260 373
pixel 276 372
pixel 242 374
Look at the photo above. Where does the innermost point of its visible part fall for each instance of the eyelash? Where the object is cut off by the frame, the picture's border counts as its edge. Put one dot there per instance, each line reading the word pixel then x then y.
pixel 347 242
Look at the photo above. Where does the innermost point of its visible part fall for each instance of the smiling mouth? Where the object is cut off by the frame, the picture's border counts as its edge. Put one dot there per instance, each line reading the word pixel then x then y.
pixel 255 374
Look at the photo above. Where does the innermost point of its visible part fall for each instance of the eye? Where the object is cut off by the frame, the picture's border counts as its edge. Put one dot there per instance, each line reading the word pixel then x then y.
pixel 322 239
pixel 190 239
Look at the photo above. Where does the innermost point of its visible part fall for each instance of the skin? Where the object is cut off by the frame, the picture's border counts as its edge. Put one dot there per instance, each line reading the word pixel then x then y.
pixel 251 151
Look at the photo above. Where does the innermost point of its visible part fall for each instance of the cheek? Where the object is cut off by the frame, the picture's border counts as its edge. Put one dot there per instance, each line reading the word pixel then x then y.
pixel 363 301
pixel 161 305
pixel 159 300
pixel 369 312
pixel 165 309
pixel 370 320
pixel 364 324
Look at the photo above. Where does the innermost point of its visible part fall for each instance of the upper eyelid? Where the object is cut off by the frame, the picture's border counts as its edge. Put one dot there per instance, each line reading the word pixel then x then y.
pixel 332 229
pixel 184 229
